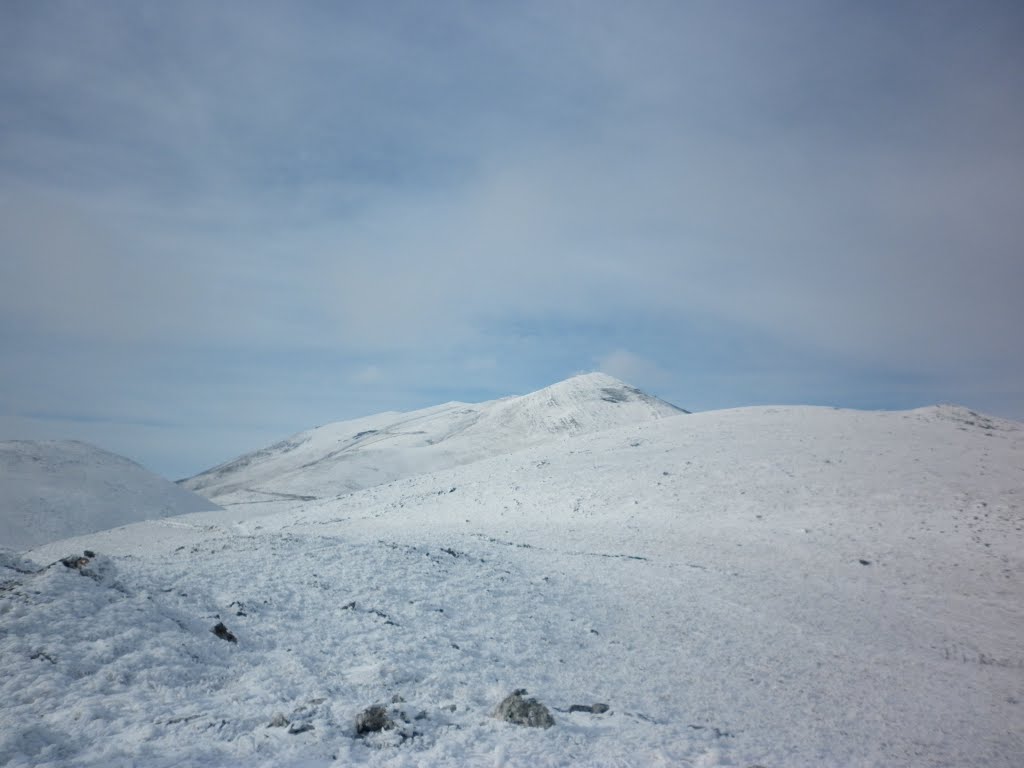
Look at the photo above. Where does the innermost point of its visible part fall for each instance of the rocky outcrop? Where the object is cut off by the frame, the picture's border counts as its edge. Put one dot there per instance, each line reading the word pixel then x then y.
pixel 522 711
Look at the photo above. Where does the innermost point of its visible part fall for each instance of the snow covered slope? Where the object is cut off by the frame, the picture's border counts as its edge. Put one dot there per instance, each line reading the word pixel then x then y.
pixel 56 489
pixel 346 456
pixel 763 586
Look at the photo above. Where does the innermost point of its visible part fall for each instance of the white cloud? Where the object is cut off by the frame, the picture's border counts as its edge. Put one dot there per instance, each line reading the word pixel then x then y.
pixel 368 374
pixel 633 369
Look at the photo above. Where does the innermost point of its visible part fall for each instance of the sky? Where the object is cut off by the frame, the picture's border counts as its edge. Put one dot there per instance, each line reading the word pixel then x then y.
pixel 223 223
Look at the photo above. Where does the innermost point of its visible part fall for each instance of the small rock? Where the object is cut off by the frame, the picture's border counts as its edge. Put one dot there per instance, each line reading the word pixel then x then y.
pixel 373 719
pixel 278 721
pixel 89 553
pixel 865 562
pixel 529 712
pixel 296 728
pixel 595 709
pixel 223 633
pixel 75 562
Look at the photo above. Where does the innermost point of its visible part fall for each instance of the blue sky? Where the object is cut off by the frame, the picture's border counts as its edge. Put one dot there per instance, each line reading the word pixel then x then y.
pixel 221 223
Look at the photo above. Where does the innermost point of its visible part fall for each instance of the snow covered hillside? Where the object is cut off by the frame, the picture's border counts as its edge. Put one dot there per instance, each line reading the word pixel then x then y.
pixel 54 489
pixel 763 586
pixel 350 455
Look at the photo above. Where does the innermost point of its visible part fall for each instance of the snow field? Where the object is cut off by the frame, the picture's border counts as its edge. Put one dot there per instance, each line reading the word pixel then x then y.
pixel 779 587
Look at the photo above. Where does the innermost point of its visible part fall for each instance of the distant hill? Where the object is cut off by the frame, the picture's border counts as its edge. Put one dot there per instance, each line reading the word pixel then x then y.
pixel 53 490
pixel 351 455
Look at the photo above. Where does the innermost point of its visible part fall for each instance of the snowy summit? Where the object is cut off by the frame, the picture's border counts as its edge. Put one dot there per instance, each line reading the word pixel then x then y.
pixel 580 576
pixel 351 455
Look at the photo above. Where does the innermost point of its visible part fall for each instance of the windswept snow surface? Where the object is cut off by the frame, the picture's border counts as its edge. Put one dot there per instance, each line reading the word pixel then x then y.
pixel 54 489
pixel 351 455
pixel 763 586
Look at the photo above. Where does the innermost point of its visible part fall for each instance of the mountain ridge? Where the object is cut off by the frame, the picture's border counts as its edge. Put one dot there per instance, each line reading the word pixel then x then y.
pixel 351 455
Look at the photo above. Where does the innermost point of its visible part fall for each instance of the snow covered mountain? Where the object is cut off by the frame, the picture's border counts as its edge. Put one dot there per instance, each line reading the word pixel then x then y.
pixel 350 455
pixel 778 587
pixel 55 489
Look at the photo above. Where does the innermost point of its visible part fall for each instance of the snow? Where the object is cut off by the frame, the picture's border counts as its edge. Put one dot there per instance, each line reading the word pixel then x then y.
pixel 351 455
pixel 54 489
pixel 785 586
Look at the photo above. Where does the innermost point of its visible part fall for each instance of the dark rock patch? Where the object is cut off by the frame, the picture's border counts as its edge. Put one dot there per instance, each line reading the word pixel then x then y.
pixel 373 719
pixel 224 633
pixel 522 711
pixel 719 733
pixel 596 709
pixel 76 562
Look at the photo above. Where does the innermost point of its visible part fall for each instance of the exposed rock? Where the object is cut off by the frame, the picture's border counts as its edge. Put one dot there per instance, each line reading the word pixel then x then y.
pixel 529 712
pixel 223 633
pixel 87 564
pixel 596 709
pixel 296 728
pixel 278 721
pixel 373 719
pixel 75 562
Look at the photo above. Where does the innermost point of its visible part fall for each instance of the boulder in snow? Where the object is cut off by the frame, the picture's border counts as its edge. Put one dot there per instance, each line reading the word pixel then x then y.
pixel 373 719
pixel 522 711
pixel 224 633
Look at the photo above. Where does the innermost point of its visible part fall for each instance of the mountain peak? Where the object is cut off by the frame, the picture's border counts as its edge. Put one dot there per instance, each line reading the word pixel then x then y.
pixel 600 386
pixel 351 455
